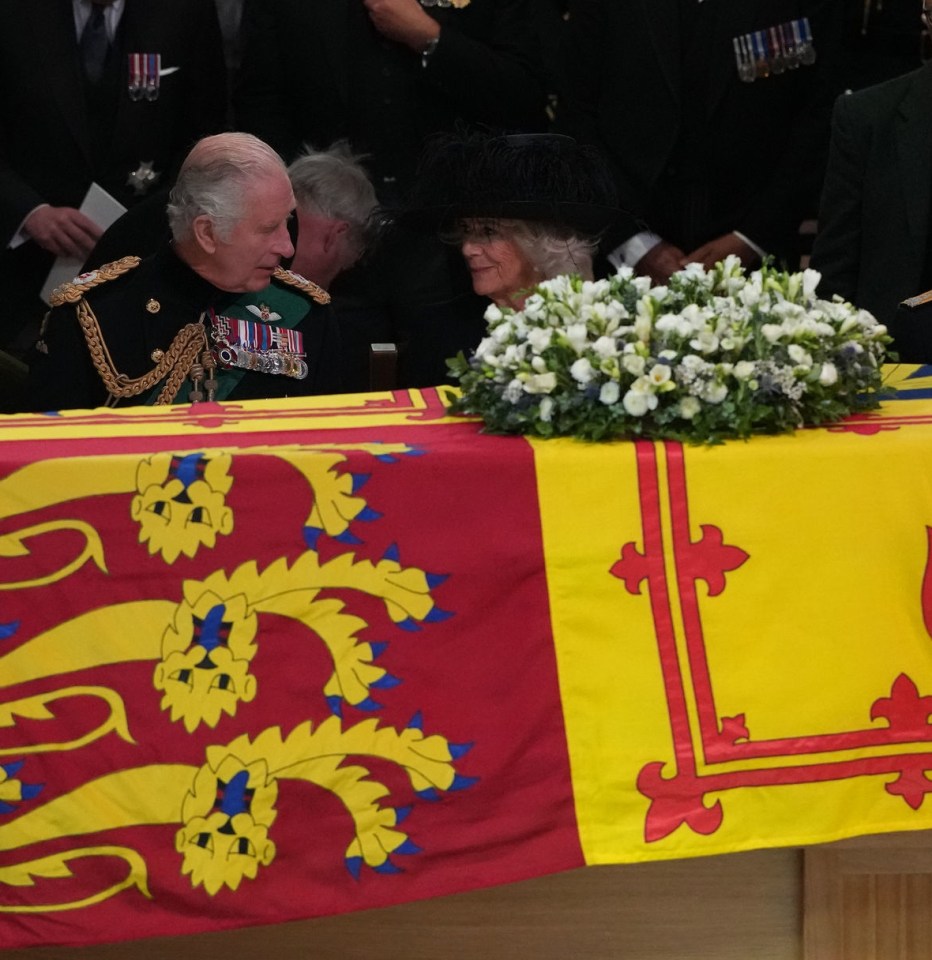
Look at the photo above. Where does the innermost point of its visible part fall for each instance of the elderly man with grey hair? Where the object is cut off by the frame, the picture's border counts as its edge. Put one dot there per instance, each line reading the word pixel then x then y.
pixel 213 306
pixel 335 208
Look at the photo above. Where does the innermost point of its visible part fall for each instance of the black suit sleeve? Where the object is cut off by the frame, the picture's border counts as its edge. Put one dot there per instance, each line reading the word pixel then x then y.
pixel 837 249
pixel 498 79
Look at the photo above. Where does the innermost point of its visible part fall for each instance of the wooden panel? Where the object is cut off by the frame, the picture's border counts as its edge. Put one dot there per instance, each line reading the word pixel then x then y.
pixel 732 907
pixel 869 899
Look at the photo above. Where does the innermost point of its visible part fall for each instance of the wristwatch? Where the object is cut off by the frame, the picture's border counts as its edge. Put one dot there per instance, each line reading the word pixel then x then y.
pixel 428 50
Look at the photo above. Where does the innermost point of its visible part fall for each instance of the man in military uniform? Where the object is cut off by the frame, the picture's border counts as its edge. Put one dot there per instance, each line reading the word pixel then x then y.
pixel 214 307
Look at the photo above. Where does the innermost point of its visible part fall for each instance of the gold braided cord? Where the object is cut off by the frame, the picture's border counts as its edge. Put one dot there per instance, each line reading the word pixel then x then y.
pixel 302 283
pixel 175 363
pixel 73 290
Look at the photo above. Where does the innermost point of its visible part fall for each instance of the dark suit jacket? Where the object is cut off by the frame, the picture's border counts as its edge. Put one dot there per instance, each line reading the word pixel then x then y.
pixel 47 151
pixel 52 147
pixel 757 147
pixel 318 71
pixel 873 235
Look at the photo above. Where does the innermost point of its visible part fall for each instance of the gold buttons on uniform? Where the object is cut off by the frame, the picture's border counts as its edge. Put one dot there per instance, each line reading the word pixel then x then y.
pixel 157 355
pixel 153 306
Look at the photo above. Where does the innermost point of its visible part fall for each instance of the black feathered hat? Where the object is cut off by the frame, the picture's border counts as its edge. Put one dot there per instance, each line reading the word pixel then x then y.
pixel 547 178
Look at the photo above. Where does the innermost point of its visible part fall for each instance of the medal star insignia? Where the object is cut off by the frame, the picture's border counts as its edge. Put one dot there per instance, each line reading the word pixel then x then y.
pixel 143 177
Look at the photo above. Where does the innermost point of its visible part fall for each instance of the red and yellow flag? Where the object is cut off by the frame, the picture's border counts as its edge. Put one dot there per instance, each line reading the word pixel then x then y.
pixel 261 662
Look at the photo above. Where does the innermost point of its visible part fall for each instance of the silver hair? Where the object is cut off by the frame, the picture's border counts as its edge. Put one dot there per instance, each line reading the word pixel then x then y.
pixel 214 178
pixel 334 184
pixel 553 250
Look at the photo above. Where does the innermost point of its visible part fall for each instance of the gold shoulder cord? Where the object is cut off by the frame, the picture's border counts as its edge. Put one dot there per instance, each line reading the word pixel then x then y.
pixel 314 291
pixel 188 346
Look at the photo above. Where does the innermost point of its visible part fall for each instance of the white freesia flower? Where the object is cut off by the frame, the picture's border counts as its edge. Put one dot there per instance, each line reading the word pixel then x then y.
pixel 502 332
pixel 546 409
pixel 705 342
pixel 659 374
pixel 577 335
pixel 744 370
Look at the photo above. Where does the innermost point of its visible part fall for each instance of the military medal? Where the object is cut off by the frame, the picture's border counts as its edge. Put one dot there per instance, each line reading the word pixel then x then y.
pixel 258 346
pixel 774 50
pixel 143 177
pixel 144 72
pixel 745 61
pixel 459 4
pixel 777 63
pixel 807 53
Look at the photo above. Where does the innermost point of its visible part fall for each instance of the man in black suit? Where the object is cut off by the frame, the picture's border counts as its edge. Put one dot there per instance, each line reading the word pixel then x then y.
pixel 383 74
pixel 106 91
pixel 715 116
pixel 873 245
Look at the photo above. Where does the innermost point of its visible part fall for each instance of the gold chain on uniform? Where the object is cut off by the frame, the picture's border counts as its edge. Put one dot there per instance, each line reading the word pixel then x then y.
pixel 186 347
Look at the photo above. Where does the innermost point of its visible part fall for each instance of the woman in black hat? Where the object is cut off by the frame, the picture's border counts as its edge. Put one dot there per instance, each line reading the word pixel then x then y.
pixel 524 208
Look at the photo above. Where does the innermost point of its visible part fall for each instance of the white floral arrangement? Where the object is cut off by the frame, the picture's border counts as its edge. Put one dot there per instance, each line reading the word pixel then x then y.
pixel 714 354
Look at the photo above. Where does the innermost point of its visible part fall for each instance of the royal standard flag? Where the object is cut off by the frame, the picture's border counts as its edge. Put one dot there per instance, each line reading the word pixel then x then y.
pixel 269 661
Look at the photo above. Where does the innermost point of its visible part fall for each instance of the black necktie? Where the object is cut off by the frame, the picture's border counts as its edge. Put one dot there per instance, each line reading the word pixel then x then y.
pixel 94 44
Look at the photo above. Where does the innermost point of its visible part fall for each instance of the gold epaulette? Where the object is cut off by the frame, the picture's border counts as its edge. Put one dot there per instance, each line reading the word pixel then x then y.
pixel 74 290
pixel 308 286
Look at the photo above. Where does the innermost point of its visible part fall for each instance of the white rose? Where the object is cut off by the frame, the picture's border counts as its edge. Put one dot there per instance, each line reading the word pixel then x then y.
pixel 581 371
pixel 689 407
pixel 540 383
pixel 828 374
pixel 714 392
pixel 799 355
pixel 609 393
pixel 605 347
pixel 636 403
pixel 539 338
pixel 633 364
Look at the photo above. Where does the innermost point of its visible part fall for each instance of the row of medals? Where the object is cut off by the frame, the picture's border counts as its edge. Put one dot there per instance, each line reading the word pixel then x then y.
pixel 279 363
pixel 774 50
